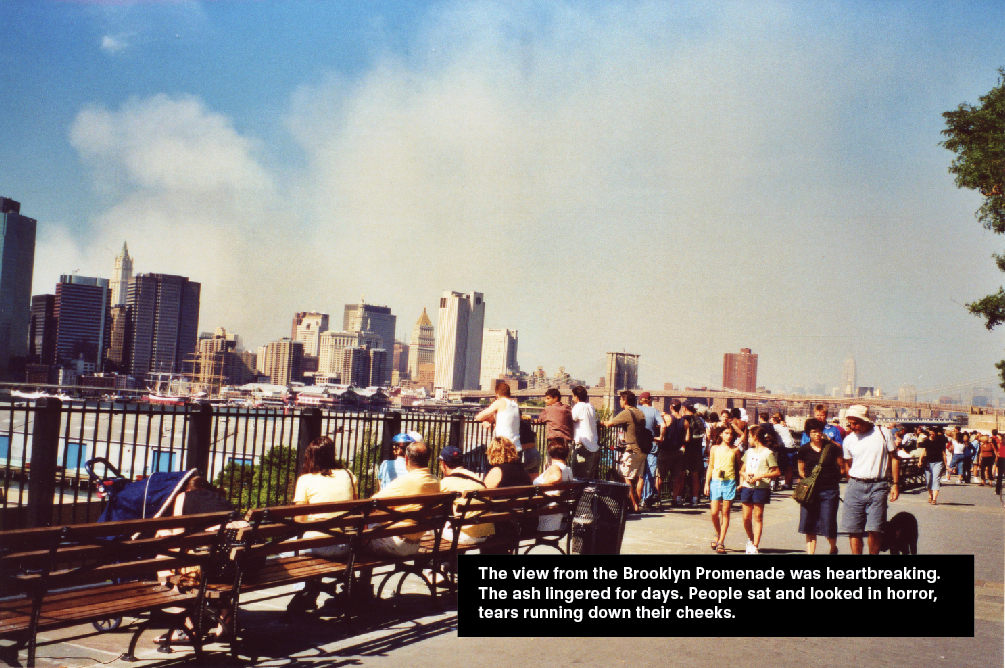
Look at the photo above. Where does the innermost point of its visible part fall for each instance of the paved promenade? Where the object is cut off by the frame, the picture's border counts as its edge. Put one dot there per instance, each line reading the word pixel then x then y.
pixel 968 521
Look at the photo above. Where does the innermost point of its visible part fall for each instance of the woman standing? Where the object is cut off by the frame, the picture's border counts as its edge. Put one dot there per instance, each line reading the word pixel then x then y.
pixel 720 482
pixel 759 468
pixel 819 517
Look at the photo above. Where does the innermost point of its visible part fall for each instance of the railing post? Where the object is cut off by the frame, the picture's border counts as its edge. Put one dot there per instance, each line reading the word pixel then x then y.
pixel 44 460
pixel 200 436
pixel 392 426
pixel 310 429
pixel 457 431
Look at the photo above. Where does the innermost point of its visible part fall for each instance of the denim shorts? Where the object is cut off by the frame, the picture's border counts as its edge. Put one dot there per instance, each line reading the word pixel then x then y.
pixel 756 495
pixel 722 490
pixel 864 506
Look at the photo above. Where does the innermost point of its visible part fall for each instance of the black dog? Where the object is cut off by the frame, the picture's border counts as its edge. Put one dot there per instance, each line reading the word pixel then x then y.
pixel 900 535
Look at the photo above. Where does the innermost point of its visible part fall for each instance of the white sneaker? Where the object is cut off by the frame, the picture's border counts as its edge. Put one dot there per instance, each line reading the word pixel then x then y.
pixel 751 548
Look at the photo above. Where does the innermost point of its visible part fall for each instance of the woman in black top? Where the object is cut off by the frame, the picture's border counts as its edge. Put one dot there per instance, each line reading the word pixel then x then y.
pixel 820 516
pixel 506 469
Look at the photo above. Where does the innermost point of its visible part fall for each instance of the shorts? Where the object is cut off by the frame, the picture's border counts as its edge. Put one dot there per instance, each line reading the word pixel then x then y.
pixel 630 464
pixel 668 460
pixel 722 490
pixel 755 495
pixel 820 517
pixel 864 507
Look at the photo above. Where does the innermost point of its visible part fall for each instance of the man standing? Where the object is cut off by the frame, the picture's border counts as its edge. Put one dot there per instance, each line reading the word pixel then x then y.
pixel 503 416
pixel 788 450
pixel 694 437
pixel 586 455
pixel 557 416
pixel 654 423
pixel 873 472
pixel 631 460
pixel 670 455
pixel 831 431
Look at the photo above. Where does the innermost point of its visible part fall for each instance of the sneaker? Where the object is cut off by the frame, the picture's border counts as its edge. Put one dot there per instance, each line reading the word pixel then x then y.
pixel 751 548
pixel 694 500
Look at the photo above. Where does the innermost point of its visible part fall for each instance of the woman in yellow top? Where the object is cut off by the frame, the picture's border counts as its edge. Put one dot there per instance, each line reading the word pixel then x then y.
pixel 720 481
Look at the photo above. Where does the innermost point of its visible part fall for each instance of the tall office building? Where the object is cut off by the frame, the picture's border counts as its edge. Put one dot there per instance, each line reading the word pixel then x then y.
pixel 498 356
pixel 331 344
pixel 399 363
pixel 849 382
pixel 165 322
pixel 283 361
pixel 42 330
pixel 739 371
pixel 308 327
pixel 459 341
pixel 17 264
pixel 120 340
pixel 422 350
pixel 83 321
pixel 364 317
pixel 120 276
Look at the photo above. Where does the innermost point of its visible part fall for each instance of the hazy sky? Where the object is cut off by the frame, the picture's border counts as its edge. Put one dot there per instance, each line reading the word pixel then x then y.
pixel 676 180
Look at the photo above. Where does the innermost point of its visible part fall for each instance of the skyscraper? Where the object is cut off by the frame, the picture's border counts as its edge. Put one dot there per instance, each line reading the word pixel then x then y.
pixel 459 340
pixel 399 362
pixel 849 382
pixel 283 361
pixel 120 340
pixel 498 356
pixel 422 350
pixel 308 327
pixel 120 276
pixel 82 320
pixel 165 322
pixel 739 371
pixel 364 317
pixel 330 347
pixel 17 265
pixel 42 330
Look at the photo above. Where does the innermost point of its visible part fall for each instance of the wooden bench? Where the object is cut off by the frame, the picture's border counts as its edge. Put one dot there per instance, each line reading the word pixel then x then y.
pixel 273 551
pixel 58 577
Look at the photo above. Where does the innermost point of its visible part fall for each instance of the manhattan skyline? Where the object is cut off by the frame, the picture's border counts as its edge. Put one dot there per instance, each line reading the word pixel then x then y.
pixel 611 177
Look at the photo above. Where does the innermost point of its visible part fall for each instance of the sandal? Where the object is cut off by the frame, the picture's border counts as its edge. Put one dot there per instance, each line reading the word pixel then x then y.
pixel 715 543
pixel 720 549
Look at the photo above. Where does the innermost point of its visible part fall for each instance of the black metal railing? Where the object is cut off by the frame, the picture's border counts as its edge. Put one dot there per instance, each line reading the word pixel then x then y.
pixel 253 455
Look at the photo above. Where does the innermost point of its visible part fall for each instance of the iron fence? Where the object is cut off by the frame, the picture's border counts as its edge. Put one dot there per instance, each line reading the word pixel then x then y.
pixel 253 455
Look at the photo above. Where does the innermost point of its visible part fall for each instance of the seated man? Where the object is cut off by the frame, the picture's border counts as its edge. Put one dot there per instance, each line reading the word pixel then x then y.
pixel 456 478
pixel 417 481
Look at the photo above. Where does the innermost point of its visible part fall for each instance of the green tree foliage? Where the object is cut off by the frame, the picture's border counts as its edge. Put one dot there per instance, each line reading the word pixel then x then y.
pixel 271 482
pixel 976 134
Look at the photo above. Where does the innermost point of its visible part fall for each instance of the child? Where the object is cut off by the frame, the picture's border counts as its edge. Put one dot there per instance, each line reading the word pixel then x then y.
pixel 759 468
pixel 720 482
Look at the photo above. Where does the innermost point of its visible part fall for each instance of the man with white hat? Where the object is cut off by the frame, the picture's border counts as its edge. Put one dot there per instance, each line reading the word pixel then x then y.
pixel 873 473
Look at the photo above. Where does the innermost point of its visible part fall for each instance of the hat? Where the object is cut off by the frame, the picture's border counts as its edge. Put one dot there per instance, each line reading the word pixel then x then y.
pixel 859 412
pixel 404 437
pixel 645 395
pixel 452 456
pixel 688 406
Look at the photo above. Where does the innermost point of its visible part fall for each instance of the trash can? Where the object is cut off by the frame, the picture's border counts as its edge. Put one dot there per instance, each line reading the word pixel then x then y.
pixel 599 522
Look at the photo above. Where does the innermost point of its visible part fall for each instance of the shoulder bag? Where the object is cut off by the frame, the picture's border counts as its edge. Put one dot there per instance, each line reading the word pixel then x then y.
pixel 804 493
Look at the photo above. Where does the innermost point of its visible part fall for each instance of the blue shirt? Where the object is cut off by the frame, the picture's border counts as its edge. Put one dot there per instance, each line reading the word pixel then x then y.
pixel 391 469
pixel 830 431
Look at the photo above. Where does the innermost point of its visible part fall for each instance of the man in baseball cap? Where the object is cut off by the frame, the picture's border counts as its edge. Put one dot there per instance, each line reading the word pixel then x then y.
pixel 873 473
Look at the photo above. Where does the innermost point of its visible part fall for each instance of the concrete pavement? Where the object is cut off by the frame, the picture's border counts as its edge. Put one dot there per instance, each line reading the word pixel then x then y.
pixel 968 520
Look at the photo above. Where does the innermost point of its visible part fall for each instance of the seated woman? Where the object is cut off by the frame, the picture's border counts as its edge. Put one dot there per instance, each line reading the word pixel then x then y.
pixel 324 480
pixel 506 471
pixel 558 451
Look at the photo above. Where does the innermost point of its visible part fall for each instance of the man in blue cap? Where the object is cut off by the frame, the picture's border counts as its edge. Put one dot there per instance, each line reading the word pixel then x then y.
pixel 390 469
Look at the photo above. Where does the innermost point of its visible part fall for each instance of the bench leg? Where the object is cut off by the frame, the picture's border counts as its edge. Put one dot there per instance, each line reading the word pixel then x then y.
pixel 130 654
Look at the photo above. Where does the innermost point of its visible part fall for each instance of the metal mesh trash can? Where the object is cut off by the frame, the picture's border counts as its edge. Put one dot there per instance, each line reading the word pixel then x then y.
pixel 599 523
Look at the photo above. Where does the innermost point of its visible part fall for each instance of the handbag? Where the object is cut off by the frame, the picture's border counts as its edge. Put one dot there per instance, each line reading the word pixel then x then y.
pixel 805 488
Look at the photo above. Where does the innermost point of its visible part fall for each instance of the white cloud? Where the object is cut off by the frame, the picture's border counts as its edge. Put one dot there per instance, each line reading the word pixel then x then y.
pixel 116 43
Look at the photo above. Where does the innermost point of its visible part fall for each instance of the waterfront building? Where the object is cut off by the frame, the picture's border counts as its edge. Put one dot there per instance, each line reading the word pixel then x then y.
pixel 17 265
pixel 308 328
pixel 363 317
pixel 739 371
pixel 81 310
pixel 331 344
pixel 121 274
pixel 422 350
pixel 165 320
pixel 849 382
pixel 499 348
pixel 219 362
pixel 283 361
pixel 42 330
pixel 459 326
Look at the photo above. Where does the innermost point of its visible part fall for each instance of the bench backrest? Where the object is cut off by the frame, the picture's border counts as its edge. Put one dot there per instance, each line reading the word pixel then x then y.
pixel 517 504
pixel 81 554
pixel 282 528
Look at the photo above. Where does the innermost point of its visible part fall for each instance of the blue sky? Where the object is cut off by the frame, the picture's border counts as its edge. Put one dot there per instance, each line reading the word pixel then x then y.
pixel 674 179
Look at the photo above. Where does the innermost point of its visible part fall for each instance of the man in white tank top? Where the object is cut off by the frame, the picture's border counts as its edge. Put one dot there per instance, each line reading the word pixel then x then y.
pixel 503 416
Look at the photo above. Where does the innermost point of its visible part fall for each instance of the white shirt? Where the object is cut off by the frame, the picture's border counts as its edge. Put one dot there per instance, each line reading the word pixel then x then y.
pixel 508 422
pixel 584 420
pixel 786 436
pixel 868 453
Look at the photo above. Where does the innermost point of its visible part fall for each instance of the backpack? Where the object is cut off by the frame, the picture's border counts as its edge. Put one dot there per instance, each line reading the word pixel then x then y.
pixel 643 437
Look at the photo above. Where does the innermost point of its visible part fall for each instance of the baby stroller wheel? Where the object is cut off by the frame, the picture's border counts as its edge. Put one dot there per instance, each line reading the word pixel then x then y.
pixel 109 624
